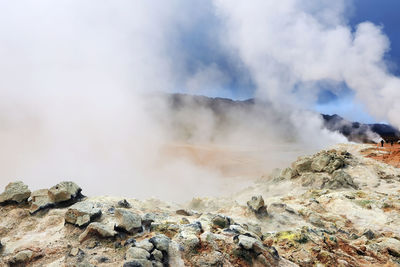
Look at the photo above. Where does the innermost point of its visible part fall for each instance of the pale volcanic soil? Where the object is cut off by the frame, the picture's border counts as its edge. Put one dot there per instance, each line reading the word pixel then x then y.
pixel 334 208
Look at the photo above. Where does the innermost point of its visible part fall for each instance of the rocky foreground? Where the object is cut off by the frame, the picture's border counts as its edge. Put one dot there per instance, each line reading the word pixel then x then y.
pixel 335 208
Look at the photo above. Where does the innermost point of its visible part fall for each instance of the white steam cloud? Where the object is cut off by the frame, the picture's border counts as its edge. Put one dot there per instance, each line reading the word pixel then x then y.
pixel 77 77
pixel 290 46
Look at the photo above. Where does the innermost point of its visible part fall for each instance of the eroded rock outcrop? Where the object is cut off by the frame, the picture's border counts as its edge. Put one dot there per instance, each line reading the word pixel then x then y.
pixel 61 195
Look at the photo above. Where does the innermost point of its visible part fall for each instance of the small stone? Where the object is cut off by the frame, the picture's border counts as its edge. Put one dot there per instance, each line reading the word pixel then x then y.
pixel 184 212
pixel 111 210
pixel 102 259
pixel 194 228
pixel 15 192
pixel 147 219
pixel 161 242
pixel 124 204
pixel 184 221
pixel 246 242
pixel 157 255
pixel 129 241
pixel 74 252
pixel 93 244
pixel 99 229
pixel 137 253
pixel 220 221
pixel 145 244
pixel 256 204
pixel 65 191
pixel 369 234
pixel 117 245
pixel 188 240
pixel 128 221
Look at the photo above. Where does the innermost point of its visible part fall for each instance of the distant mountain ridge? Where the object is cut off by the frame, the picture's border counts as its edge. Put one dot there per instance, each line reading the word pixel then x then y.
pixel 360 132
pixel 353 131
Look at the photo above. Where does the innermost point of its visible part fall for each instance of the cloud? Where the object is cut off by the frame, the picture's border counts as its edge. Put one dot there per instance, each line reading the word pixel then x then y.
pixel 295 44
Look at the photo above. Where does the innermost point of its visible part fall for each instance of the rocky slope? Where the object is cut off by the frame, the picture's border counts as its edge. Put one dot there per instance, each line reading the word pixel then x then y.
pixel 334 208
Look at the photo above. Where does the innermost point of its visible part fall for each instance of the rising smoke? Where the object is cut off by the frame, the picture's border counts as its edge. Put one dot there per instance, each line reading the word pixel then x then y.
pixel 78 79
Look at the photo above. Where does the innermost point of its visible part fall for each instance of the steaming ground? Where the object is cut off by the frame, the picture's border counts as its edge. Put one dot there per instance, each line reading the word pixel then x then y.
pixel 337 207
pixel 181 171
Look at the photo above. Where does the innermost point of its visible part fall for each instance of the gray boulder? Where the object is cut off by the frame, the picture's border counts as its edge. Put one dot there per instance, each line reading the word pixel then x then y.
pixel 144 244
pixel 82 213
pixel 187 240
pixel 128 221
pixel 161 242
pixel 137 253
pixel 184 212
pixel 256 204
pixel 40 200
pixel 124 204
pixel 249 243
pixel 64 191
pixel 302 165
pixel 15 192
pixel 219 221
pixel 320 162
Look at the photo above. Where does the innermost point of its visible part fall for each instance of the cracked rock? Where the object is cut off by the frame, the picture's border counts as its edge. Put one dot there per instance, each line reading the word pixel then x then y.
pixel 15 192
